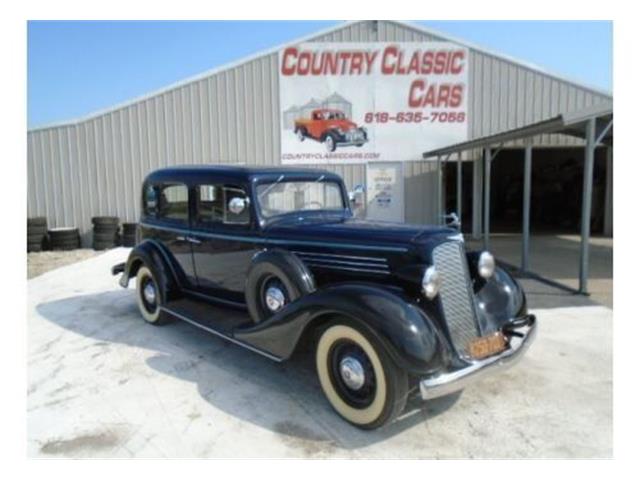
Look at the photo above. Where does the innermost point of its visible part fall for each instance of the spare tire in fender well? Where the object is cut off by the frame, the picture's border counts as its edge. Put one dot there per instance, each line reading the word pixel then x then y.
pixel 281 265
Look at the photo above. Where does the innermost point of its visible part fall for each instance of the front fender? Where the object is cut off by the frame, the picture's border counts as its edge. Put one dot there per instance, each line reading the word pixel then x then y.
pixel 407 333
pixel 151 254
pixel 499 300
pixel 337 134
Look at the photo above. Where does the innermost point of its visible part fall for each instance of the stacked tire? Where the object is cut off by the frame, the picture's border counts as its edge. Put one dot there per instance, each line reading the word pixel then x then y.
pixel 64 238
pixel 129 234
pixel 36 234
pixel 106 232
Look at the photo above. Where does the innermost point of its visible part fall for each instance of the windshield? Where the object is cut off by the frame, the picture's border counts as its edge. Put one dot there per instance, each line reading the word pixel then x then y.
pixel 282 196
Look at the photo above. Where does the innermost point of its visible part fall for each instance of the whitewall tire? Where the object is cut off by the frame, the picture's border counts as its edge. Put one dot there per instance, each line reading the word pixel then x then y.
pixel 357 376
pixel 149 297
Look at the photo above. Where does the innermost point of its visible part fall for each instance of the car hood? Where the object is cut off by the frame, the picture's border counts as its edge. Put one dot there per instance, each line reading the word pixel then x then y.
pixel 342 124
pixel 352 230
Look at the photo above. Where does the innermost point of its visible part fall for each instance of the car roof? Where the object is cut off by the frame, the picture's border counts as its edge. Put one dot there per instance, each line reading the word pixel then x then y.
pixel 205 172
pixel 334 110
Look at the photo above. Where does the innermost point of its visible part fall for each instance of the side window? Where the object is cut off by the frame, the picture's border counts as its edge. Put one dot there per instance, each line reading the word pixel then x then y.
pixel 227 204
pixel 150 200
pixel 173 202
pixel 210 206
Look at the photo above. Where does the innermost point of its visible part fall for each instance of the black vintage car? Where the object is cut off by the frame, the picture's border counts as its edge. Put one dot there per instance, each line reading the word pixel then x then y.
pixel 267 258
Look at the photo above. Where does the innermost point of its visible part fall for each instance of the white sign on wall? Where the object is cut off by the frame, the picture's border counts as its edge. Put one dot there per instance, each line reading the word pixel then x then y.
pixel 367 102
pixel 385 191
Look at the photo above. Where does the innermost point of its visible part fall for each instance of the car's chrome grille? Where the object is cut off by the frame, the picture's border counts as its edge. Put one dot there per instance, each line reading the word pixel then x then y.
pixel 355 135
pixel 456 295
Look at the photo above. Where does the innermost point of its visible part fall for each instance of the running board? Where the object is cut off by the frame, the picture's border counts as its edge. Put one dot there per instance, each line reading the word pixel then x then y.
pixel 203 316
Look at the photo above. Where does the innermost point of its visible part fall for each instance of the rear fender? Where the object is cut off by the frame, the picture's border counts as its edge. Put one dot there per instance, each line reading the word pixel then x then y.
pixel 407 333
pixel 151 254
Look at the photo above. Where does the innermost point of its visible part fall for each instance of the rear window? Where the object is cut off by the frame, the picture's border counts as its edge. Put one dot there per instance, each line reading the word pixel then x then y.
pixel 168 202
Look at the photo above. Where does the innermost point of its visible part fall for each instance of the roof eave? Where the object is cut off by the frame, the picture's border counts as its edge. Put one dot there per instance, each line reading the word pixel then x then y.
pixel 530 66
pixel 565 124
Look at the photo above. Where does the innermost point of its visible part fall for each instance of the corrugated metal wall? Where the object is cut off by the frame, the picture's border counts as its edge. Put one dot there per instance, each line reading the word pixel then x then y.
pixel 95 167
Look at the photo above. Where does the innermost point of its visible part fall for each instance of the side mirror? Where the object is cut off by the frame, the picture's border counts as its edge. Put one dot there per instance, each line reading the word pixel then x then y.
pixel 357 191
pixel 237 205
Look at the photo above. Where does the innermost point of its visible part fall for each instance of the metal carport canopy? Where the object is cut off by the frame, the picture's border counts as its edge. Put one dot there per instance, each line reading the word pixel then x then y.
pixel 593 124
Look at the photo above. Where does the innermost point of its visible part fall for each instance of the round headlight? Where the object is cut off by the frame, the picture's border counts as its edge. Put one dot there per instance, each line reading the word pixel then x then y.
pixel 486 265
pixel 431 282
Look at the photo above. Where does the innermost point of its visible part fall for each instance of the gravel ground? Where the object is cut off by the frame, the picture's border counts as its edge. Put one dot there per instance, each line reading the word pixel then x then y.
pixel 41 262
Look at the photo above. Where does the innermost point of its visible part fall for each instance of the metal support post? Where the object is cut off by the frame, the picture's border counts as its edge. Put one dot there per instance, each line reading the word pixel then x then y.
pixel 487 196
pixel 608 197
pixel 439 191
pixel 476 205
pixel 587 190
pixel 526 207
pixel 459 189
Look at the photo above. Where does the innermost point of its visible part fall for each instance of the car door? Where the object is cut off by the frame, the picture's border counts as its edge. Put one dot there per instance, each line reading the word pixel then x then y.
pixel 167 220
pixel 316 126
pixel 224 240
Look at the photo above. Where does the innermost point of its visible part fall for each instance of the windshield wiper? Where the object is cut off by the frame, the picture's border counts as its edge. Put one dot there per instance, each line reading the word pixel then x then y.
pixel 270 187
pixel 320 178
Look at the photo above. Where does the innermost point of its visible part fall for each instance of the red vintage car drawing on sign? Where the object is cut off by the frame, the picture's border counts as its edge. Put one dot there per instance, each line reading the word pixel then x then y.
pixel 332 128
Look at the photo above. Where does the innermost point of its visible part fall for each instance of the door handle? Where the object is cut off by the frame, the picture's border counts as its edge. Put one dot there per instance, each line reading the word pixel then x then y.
pixel 180 238
pixel 193 240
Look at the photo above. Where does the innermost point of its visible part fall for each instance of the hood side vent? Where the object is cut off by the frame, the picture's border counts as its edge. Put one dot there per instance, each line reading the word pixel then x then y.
pixel 346 263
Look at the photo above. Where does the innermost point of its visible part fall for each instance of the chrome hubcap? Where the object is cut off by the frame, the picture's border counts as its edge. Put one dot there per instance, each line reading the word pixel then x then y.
pixel 274 298
pixel 149 293
pixel 352 373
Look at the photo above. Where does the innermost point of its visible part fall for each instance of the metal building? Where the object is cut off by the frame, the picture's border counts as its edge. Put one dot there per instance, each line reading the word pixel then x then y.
pixel 94 165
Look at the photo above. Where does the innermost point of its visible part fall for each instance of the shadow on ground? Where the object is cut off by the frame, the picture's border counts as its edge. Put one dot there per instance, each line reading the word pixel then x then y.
pixel 542 296
pixel 226 374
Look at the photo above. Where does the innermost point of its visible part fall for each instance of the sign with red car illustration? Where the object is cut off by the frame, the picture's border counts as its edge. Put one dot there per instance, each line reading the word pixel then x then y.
pixel 356 103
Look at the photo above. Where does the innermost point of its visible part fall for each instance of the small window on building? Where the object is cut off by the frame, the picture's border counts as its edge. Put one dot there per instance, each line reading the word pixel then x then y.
pixel 210 206
pixel 173 203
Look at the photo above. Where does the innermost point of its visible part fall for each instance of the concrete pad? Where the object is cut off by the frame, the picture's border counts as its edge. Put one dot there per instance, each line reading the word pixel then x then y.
pixel 102 383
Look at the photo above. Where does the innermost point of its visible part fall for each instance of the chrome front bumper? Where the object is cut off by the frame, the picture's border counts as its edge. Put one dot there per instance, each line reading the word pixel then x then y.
pixel 446 382
pixel 350 143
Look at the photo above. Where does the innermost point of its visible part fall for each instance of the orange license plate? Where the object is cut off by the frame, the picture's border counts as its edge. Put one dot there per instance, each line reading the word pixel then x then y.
pixel 484 347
